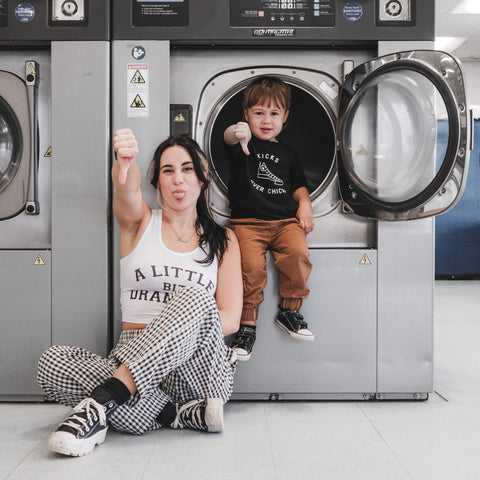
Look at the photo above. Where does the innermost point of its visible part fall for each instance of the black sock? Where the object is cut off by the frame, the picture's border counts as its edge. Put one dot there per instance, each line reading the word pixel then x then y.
pixel 167 415
pixel 112 389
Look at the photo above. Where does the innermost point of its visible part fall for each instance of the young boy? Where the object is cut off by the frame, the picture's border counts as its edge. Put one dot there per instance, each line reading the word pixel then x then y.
pixel 270 210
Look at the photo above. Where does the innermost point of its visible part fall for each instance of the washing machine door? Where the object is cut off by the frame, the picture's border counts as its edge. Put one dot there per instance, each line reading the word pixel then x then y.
pixel 403 136
pixel 17 144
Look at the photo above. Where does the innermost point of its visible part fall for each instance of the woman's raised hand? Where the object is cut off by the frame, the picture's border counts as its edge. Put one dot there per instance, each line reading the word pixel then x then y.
pixel 126 149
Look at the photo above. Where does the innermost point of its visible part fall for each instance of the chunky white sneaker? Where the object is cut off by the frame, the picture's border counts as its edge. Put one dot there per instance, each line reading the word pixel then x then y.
pixel 204 415
pixel 82 430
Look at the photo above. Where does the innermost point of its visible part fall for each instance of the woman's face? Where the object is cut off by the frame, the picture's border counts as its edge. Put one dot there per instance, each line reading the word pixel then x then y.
pixel 177 180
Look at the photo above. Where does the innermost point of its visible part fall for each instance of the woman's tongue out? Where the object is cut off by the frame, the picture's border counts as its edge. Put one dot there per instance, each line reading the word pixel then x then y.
pixel 179 194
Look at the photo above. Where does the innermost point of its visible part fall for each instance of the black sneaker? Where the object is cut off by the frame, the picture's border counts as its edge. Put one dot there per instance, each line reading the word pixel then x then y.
pixel 84 428
pixel 204 415
pixel 292 322
pixel 243 342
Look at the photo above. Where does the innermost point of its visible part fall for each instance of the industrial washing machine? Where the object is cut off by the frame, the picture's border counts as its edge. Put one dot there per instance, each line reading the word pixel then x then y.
pixel 54 184
pixel 367 96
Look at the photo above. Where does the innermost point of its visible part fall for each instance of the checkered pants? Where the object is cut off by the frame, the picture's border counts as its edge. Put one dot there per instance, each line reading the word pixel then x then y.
pixel 178 357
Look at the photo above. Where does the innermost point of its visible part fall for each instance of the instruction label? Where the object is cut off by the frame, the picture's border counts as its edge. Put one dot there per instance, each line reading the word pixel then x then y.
pixel 159 13
pixel 138 90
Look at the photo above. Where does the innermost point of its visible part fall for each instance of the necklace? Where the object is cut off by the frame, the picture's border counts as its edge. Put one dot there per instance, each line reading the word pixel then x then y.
pixel 179 238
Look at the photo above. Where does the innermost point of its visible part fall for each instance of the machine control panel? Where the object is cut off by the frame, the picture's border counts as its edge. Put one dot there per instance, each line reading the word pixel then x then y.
pixel 69 11
pixel 280 13
pixel 37 22
pixel 335 23
pixel 395 10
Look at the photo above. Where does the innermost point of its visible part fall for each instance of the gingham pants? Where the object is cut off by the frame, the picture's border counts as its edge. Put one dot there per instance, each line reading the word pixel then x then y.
pixel 179 356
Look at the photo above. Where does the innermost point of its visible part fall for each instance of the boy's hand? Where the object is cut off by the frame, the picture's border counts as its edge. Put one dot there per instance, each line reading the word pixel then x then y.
pixel 125 146
pixel 243 134
pixel 305 217
pixel 304 210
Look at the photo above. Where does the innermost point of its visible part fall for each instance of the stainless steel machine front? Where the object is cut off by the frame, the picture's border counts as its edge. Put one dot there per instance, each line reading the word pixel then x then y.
pixel 366 131
pixel 54 185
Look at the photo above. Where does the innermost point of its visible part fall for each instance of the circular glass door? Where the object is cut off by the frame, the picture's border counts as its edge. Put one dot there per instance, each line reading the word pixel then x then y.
pixel 309 130
pixel 10 145
pixel 14 145
pixel 392 159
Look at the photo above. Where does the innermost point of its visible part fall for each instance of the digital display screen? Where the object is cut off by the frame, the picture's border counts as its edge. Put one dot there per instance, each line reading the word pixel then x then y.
pixel 282 13
pixel 159 13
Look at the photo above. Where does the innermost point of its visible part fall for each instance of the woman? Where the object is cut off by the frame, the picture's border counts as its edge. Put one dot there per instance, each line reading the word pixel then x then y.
pixel 181 294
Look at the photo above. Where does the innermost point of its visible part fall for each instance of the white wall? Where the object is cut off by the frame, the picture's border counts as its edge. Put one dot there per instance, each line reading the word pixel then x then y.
pixel 472 76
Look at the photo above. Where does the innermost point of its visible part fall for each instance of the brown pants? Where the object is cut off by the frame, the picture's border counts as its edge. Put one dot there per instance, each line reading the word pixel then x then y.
pixel 287 241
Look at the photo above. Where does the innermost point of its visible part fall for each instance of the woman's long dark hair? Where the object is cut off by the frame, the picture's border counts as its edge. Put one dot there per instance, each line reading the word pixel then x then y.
pixel 213 237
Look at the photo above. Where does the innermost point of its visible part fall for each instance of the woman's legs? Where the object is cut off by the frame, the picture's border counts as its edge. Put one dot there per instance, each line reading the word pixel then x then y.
pixel 181 356
pixel 69 374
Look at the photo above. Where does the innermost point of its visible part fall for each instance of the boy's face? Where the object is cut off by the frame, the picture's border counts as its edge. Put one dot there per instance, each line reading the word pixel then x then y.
pixel 266 122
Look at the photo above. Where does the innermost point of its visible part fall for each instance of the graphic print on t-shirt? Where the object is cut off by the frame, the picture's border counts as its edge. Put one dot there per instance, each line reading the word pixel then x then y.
pixel 158 282
pixel 262 184
pixel 265 173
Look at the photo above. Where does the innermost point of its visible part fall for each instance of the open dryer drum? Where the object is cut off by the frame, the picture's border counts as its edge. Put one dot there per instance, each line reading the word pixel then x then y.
pixel 310 128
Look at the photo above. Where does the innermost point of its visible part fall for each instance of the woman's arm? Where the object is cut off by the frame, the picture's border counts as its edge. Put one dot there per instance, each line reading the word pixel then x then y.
pixel 131 211
pixel 229 295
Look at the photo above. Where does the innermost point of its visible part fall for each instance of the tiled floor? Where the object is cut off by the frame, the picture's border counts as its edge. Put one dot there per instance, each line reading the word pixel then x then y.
pixel 438 439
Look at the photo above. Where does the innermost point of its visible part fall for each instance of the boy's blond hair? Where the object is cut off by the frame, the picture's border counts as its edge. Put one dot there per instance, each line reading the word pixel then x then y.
pixel 266 90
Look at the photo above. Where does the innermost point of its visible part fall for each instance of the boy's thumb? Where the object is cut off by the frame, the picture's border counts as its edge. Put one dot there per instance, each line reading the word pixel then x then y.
pixel 244 146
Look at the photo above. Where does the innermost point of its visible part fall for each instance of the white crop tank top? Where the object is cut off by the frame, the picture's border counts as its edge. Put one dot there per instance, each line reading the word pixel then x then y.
pixel 152 272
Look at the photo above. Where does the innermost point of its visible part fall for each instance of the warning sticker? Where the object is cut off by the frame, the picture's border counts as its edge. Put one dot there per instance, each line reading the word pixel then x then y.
pixel 31 66
pixel 138 104
pixel 361 150
pixel 365 260
pixel 180 118
pixel 137 77
pixel 48 153
pixel 137 73
pixel 138 89
pixel 39 260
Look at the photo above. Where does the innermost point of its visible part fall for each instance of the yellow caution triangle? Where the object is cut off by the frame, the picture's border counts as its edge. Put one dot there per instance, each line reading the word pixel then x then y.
pixel 137 78
pixel 39 260
pixel 180 118
pixel 361 150
pixel 137 102
pixel 48 153
pixel 365 260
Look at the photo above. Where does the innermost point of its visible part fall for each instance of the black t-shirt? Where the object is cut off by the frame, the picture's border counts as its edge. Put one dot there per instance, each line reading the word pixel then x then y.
pixel 261 184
